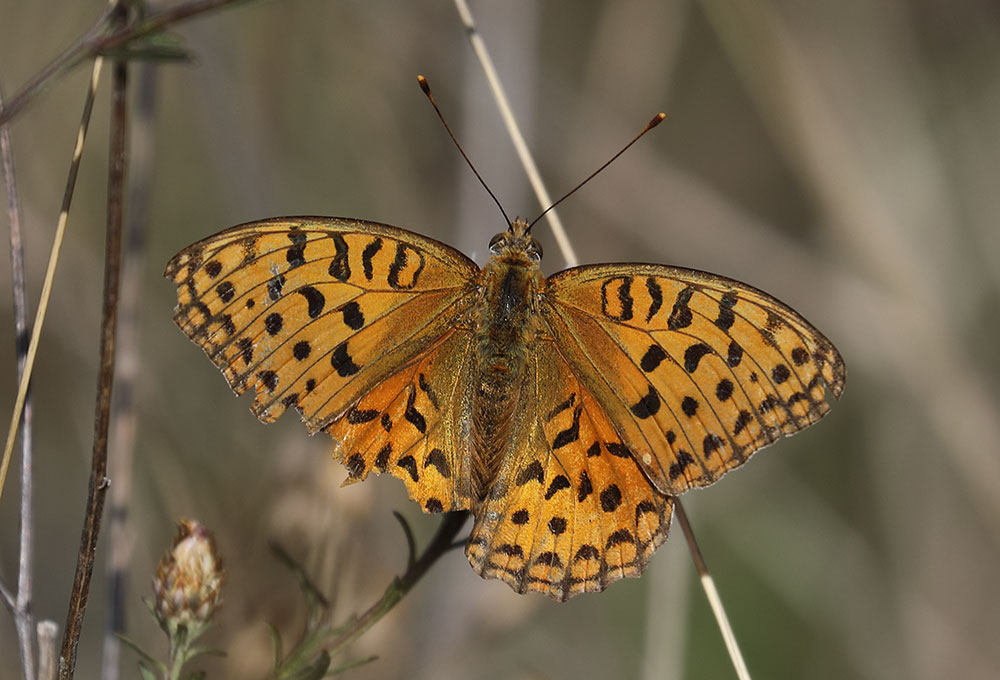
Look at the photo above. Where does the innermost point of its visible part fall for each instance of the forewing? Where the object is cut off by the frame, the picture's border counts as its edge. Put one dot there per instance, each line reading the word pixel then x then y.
pixel 570 511
pixel 696 371
pixel 314 312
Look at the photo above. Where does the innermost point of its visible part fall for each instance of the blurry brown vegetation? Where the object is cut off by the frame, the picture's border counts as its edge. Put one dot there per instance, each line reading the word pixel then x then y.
pixel 842 156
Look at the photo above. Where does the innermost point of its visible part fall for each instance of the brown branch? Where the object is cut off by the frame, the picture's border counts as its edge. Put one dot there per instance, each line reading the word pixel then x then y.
pixel 97 488
pixel 123 413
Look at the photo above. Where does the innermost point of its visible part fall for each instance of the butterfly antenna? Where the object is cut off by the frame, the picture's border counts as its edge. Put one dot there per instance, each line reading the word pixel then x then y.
pixel 649 126
pixel 425 86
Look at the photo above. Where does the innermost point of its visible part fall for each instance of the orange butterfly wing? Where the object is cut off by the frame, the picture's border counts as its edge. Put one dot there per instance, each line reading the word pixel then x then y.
pixel 570 511
pixel 696 371
pixel 415 424
pixel 314 312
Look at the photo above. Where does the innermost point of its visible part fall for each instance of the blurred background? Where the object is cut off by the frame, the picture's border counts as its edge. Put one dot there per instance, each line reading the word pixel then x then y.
pixel 841 156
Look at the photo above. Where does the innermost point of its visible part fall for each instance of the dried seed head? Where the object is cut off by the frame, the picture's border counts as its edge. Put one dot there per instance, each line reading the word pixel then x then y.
pixel 188 581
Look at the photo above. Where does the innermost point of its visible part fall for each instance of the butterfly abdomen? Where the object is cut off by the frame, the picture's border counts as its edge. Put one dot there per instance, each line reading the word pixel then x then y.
pixel 505 329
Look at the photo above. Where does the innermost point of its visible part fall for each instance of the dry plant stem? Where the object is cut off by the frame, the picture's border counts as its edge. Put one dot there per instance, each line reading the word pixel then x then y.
pixel 544 199
pixel 439 545
pixel 36 328
pixel 92 44
pixel 47 632
pixel 529 165
pixel 21 605
pixel 97 488
pixel 708 584
pixel 123 414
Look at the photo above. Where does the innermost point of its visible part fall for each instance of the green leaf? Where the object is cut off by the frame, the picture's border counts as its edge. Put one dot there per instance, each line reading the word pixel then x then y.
pixel 146 657
pixel 315 671
pixel 276 643
pixel 153 47
pixel 349 665
pixel 147 672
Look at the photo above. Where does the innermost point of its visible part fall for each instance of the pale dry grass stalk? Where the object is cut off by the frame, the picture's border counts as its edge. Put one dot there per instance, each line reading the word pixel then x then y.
pixel 570 258
pixel 20 603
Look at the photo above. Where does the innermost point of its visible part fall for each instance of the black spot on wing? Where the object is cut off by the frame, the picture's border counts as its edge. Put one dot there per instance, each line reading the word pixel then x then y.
pixel 617 449
pixel 382 458
pixel 356 416
pixel 314 299
pixel 355 465
pixel 226 291
pixel 273 323
pixel 437 458
pixel 558 483
pixel 742 420
pixel 559 408
pixel 693 355
pixel 780 374
pixel 611 498
pixel 624 295
pixel 367 254
pixel 584 488
pixel 413 415
pixel 726 316
pixel 655 297
pixel 409 464
pixel 570 434
pixel 426 389
pixel 246 349
pixel 653 357
pixel 689 405
pixel 531 471
pixel 648 405
pixel 301 350
pixel 340 267
pixel 342 362
pixel 677 468
pixel 724 389
pixel 680 316
pixel 353 317
pixel 735 354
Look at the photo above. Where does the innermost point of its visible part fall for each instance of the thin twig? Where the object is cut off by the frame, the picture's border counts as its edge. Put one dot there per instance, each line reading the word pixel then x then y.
pixel 123 413
pixel 706 580
pixel 708 585
pixel 544 199
pixel 23 618
pixel 92 44
pixel 68 58
pixel 43 303
pixel 439 545
pixel 97 488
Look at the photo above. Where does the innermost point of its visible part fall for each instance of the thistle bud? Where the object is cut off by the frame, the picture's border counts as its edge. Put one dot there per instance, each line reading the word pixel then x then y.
pixel 188 580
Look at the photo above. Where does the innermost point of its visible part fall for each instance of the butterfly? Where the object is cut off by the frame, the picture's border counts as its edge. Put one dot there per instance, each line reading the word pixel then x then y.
pixel 564 413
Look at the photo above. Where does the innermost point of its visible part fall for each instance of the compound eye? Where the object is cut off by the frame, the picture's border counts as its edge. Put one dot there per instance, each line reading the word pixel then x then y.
pixel 498 242
pixel 535 251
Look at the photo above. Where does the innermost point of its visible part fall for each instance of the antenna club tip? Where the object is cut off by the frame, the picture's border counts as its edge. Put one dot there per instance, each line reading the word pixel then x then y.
pixel 657 119
pixel 423 84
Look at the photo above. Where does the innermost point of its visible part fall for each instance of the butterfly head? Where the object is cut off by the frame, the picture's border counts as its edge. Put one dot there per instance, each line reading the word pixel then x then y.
pixel 516 243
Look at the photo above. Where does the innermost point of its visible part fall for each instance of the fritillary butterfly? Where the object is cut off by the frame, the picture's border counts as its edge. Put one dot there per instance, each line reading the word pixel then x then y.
pixel 563 412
